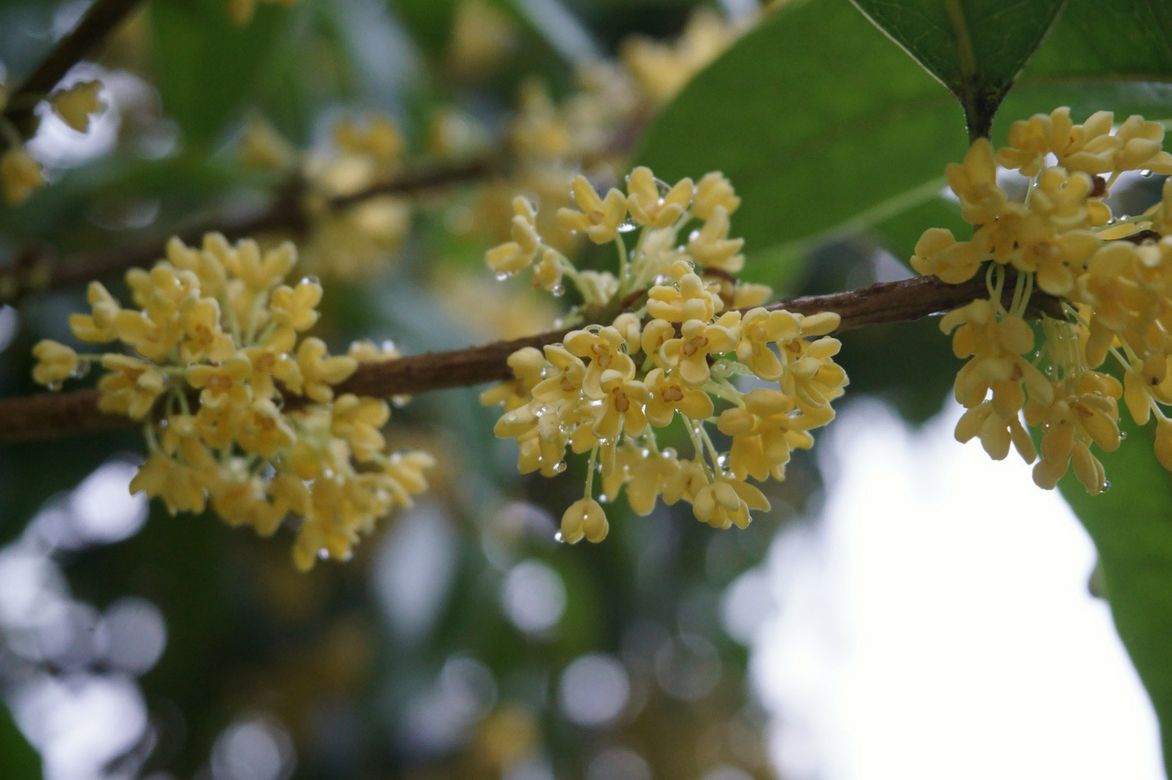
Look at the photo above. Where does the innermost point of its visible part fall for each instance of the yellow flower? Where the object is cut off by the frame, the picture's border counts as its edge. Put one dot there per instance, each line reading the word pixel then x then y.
pixel 180 487
pixel 669 394
pixel 727 502
pixel 203 338
pixel 623 407
pixel 131 387
pixel 527 365
pixel 764 432
pixel 689 299
pixel 712 248
pixel 759 328
pixel 604 347
pixel 319 370
pixel 19 175
pixel 271 362
pixel 975 184
pixel 688 354
pixel 648 207
pixel 223 386
pixel 714 191
pixel 99 326
pixel 564 383
pixel 295 307
pixel 75 104
pixel 995 431
pixel 584 518
pixel 357 421
pixel 938 253
pixel 55 363
pixel 516 255
pixel 263 430
pixel 1141 146
pixel 378 138
pixel 600 219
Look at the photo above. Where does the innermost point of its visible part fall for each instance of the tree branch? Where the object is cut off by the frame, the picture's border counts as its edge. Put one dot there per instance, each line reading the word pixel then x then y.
pixel 34 269
pixel 53 415
pixel 96 23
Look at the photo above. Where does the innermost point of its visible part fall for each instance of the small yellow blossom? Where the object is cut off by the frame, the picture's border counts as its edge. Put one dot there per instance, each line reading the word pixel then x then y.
pixel 55 363
pixel 598 218
pixel 584 519
pixel 651 208
pixel 76 104
pixel 20 174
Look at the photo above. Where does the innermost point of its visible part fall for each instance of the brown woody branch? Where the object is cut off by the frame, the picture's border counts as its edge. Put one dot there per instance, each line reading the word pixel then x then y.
pixel 52 415
pixel 35 269
pixel 95 25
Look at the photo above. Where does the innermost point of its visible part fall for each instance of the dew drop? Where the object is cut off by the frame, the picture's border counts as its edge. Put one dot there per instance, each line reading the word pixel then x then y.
pixel 323 554
pixel 627 225
pixel 1147 174
pixel 502 276
pixel 559 467
pixel 310 280
pixel 1106 485
pixel 1123 435
pixel 669 452
pixel 559 323
pixel 695 234
pixel 1112 221
pixel 53 386
pixel 82 369
pixel 400 401
pixel 558 290
pixel 602 499
pixel 559 538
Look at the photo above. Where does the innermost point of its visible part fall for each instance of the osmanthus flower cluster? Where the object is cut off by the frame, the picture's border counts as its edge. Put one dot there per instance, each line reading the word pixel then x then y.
pixel 1109 279
pixel 237 401
pixel 685 332
pixel 348 242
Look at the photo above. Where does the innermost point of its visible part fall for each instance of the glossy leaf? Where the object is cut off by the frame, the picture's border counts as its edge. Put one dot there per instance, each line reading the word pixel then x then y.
pixel 816 143
pixel 1131 526
pixel 810 139
pixel 974 47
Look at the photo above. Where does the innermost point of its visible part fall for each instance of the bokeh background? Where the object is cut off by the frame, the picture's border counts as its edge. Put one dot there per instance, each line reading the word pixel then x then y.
pixel 906 609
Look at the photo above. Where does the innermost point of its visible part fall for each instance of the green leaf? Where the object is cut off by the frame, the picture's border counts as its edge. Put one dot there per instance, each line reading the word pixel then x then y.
pixel 1131 526
pixel 207 67
pixel 17 757
pixel 975 47
pixel 810 139
pixel 815 143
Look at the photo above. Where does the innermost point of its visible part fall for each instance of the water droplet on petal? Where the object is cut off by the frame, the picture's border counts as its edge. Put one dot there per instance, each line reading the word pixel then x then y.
pixel 559 467
pixel 1123 435
pixel 558 290
pixel 1147 174
pixel 323 554
pixel 310 280
pixel 602 499
pixel 1106 485
pixel 693 235
pixel 502 276
pixel 559 538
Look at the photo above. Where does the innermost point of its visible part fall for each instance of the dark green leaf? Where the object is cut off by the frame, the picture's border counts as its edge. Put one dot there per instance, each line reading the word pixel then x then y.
pixel 17 758
pixel 810 139
pixel 814 142
pixel 1131 526
pixel 975 47
pixel 207 67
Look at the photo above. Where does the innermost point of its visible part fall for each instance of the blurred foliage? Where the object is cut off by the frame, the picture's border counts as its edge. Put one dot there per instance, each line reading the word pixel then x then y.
pixel 408 662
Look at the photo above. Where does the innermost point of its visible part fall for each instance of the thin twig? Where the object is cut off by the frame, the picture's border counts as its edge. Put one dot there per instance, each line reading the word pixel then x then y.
pixel 35 270
pixel 53 415
pixel 95 25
